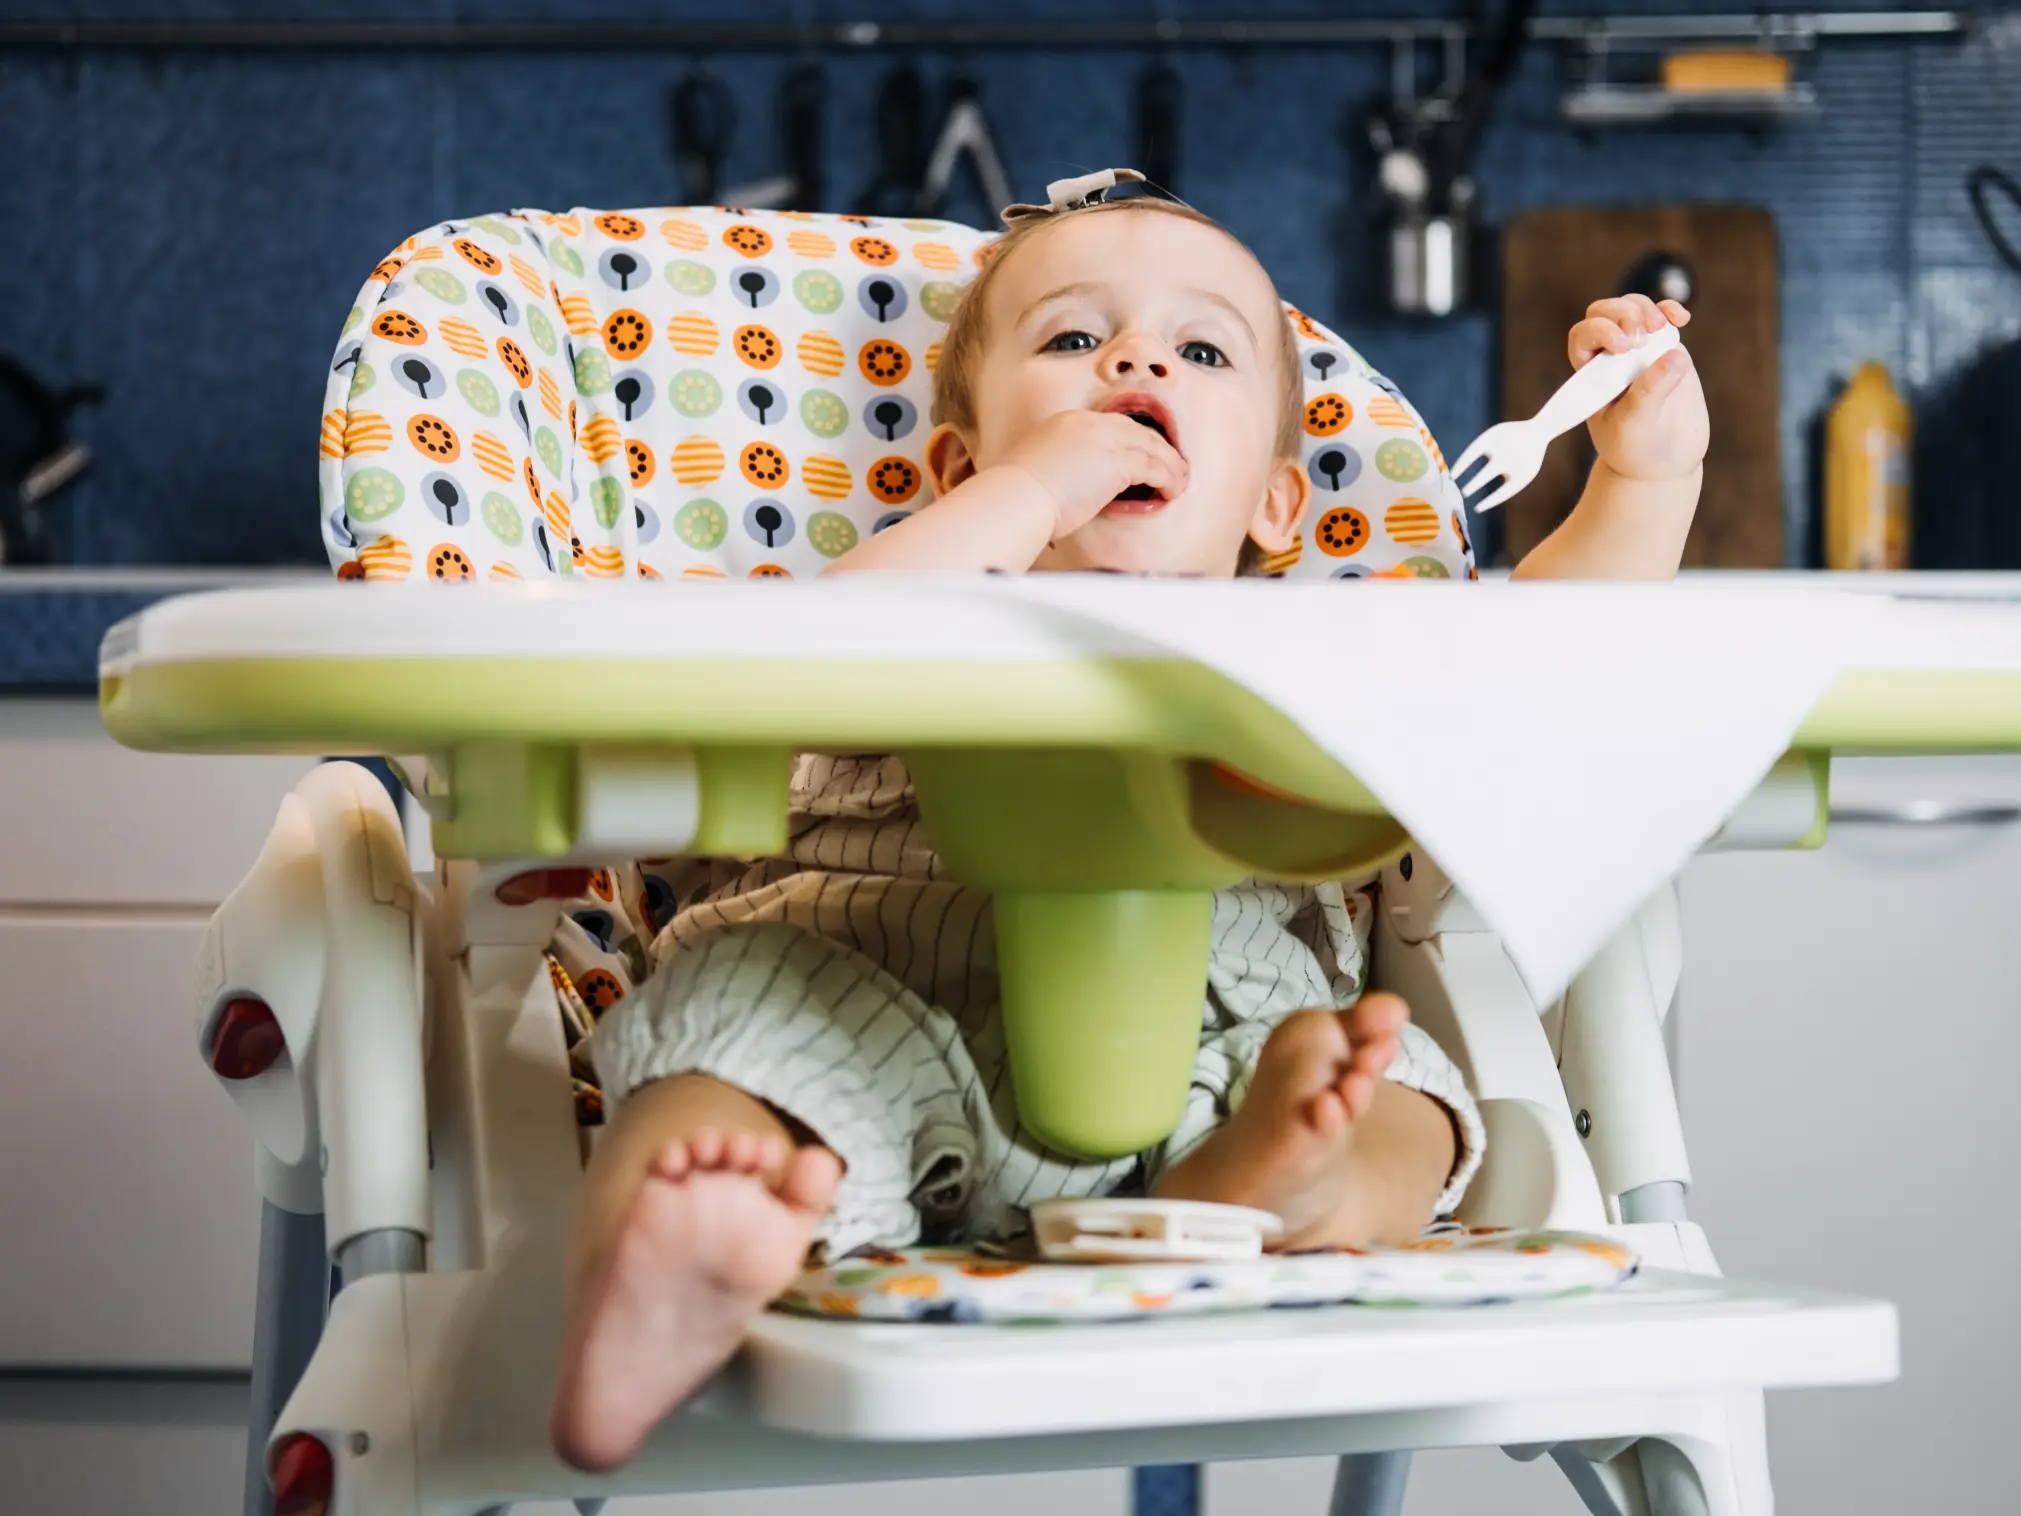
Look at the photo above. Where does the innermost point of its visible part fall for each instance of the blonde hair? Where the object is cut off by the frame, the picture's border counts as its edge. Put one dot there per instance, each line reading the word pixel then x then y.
pixel 968 327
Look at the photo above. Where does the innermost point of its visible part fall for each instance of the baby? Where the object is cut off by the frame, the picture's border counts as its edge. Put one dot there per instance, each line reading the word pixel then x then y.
pixel 819 1060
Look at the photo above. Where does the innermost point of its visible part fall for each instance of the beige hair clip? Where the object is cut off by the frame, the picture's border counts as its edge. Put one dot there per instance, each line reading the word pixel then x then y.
pixel 1074 194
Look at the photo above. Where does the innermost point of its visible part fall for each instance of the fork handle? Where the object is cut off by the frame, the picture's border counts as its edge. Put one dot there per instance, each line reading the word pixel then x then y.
pixel 1604 377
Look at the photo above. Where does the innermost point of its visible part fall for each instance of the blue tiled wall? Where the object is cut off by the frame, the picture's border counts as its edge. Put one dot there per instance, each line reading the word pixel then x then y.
pixel 190 229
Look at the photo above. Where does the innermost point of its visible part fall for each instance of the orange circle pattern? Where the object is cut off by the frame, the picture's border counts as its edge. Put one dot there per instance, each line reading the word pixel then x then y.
pixel 764 465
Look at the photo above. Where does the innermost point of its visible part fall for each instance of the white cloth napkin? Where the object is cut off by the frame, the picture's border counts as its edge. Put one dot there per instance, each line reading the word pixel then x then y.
pixel 1560 749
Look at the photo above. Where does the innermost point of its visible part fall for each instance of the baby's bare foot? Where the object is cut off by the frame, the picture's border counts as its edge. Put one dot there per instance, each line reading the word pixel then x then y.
pixel 1286 1149
pixel 707 1244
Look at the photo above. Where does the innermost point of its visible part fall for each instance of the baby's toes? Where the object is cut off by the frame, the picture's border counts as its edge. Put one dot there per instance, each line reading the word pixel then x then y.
pixel 674 1162
pixel 1313 1037
pixel 1329 1112
pixel 741 1152
pixel 1376 1015
pixel 708 1149
pixel 810 1180
pixel 1356 1091
pixel 759 1153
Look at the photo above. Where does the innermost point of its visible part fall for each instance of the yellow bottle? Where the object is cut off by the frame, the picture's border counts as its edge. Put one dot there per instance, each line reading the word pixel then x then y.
pixel 1866 468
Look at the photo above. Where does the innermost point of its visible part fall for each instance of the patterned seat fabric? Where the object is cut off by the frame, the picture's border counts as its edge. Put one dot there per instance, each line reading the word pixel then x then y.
pixel 754 387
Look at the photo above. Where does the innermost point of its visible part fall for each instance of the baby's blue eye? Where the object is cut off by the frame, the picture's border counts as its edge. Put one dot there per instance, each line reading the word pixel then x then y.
pixel 1206 354
pixel 1071 342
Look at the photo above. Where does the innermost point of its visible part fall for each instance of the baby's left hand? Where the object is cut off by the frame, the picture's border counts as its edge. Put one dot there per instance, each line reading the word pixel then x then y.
pixel 1658 428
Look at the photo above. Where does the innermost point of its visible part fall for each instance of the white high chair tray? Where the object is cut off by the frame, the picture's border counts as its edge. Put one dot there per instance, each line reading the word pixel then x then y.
pixel 955 661
pixel 1660 1333
pixel 871 616
pixel 817 1401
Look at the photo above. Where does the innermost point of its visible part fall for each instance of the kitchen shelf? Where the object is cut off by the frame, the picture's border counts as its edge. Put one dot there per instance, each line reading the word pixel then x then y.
pixel 1596 105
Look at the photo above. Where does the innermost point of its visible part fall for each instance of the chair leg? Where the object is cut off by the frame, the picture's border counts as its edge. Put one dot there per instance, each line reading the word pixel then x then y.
pixel 1718 1469
pixel 292 1298
pixel 1613 1488
pixel 1671 1481
pixel 1370 1484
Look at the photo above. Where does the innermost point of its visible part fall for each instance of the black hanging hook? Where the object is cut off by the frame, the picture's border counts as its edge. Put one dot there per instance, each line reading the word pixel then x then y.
pixel 704 115
pixel 1978 185
pixel 1159 96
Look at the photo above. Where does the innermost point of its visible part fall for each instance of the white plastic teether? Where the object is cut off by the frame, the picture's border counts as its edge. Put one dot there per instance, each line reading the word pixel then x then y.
pixel 1140 1231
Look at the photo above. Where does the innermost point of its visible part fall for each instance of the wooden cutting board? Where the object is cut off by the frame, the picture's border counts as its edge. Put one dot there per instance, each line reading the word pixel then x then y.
pixel 1558 260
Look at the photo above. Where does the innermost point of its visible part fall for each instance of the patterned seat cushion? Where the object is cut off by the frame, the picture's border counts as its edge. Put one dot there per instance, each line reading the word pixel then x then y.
pixel 753 387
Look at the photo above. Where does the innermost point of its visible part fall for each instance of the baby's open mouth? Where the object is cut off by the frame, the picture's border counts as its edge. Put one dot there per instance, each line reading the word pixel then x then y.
pixel 1145 410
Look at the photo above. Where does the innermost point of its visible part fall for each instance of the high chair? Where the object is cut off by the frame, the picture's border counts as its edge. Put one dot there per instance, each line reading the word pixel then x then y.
pixel 718 394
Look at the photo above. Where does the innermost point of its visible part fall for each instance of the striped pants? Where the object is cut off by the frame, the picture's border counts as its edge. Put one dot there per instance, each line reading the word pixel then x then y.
pixel 916 1100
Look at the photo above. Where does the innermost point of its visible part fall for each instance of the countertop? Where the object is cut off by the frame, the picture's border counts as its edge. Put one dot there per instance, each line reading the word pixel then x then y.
pixel 51 620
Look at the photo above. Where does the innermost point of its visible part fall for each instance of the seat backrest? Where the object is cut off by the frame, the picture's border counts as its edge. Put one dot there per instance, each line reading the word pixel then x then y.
pixel 751 388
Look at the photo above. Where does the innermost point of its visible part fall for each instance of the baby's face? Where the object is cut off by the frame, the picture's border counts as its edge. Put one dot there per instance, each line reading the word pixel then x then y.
pixel 1144 303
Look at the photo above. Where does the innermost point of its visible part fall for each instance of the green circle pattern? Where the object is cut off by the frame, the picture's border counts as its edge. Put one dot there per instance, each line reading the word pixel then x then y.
pixel 548 446
pixel 939 298
pixel 830 533
pixel 592 372
pixel 1401 461
pixel 824 414
pixel 542 328
pixel 818 290
pixel 564 256
pixel 607 498
pixel 702 525
pixel 695 392
pixel 351 321
pixel 443 285
pixel 1427 567
pixel 373 494
pixel 362 379
pixel 478 392
pixel 690 277
pixel 502 516
pixel 497 228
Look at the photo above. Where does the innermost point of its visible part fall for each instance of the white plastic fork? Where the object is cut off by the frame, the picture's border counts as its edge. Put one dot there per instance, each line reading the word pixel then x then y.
pixel 1514 450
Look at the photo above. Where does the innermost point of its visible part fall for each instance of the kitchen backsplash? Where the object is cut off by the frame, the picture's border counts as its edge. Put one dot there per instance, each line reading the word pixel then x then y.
pixel 189 229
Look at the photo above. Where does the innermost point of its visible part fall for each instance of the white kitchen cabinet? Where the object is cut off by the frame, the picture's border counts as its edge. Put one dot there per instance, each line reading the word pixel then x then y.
pixel 121 1447
pixel 84 821
pixel 1850 1038
pixel 131 1221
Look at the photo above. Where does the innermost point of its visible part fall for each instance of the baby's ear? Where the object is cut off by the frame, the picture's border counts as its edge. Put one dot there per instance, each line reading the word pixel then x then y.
pixel 949 459
pixel 1275 525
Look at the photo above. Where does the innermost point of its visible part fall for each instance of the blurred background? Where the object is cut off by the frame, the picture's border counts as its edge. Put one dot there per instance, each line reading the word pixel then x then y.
pixel 191 216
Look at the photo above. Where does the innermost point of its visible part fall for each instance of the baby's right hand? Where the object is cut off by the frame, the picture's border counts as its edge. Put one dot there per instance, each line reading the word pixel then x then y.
pixel 1084 459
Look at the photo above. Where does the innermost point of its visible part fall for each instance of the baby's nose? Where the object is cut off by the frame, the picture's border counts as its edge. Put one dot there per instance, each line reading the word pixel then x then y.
pixel 1138 354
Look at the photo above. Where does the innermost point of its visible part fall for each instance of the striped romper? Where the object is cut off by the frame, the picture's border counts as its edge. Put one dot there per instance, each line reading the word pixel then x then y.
pixel 850 984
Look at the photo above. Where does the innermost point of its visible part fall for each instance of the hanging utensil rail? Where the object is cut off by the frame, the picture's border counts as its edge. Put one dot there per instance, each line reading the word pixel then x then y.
pixel 1786 30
